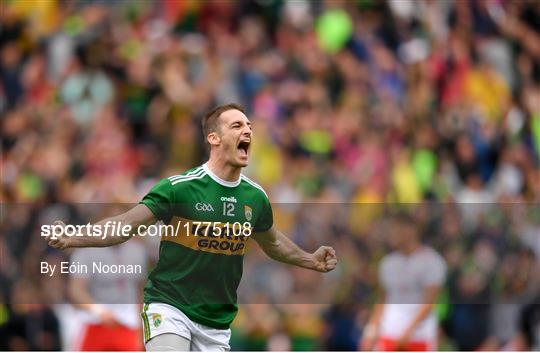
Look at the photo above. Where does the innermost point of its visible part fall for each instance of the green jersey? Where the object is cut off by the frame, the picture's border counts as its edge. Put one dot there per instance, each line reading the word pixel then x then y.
pixel 208 223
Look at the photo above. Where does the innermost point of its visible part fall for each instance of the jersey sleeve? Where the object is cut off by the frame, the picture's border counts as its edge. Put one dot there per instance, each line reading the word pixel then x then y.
pixel 160 200
pixel 266 217
pixel 436 270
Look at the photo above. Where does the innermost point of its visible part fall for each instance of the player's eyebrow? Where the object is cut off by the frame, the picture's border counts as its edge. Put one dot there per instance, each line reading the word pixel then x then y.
pixel 248 123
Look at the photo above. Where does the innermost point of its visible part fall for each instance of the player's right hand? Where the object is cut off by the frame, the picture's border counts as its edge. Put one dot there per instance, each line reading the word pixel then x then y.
pixel 61 242
pixel 105 316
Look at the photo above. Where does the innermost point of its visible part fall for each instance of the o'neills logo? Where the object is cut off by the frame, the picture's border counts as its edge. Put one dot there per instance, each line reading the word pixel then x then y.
pixel 228 199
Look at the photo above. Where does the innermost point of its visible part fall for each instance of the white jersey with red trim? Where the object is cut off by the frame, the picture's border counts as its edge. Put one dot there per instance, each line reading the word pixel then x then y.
pixel 115 275
pixel 405 279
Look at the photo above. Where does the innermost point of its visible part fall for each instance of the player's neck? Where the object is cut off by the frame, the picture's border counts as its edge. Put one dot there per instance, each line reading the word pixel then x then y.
pixel 224 170
pixel 410 248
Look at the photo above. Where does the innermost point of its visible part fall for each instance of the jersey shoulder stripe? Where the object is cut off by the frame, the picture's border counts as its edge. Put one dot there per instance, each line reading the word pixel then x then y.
pixel 191 177
pixel 254 184
pixel 195 171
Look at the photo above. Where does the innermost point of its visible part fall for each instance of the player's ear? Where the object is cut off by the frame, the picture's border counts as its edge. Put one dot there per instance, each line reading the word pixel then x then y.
pixel 213 139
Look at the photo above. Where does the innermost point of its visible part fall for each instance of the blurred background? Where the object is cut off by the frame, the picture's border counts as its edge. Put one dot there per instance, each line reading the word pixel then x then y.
pixel 434 104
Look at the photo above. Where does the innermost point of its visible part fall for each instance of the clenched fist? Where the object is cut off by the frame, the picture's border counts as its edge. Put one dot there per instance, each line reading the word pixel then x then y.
pixel 325 259
pixel 61 242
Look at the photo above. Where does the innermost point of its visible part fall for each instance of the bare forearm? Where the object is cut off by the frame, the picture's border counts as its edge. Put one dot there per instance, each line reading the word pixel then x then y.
pixel 371 330
pixel 78 294
pixel 80 297
pixel 375 319
pixel 423 312
pixel 284 250
pixel 280 248
pixel 108 232
pixel 420 316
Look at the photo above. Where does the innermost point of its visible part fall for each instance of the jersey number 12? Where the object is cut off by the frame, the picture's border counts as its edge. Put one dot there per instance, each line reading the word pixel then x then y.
pixel 228 209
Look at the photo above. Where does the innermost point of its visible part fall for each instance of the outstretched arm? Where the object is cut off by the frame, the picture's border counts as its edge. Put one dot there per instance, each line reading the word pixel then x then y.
pixel 79 296
pixel 136 216
pixel 280 248
pixel 370 333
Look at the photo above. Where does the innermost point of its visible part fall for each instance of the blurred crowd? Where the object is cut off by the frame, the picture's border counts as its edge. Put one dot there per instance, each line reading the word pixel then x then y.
pixel 431 105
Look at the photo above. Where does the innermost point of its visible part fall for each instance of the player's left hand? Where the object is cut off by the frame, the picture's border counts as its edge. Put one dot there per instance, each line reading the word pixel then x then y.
pixel 325 259
pixel 403 341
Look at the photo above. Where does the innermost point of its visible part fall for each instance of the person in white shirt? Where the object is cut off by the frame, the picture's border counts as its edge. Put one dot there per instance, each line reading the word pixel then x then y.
pixel 411 278
pixel 109 300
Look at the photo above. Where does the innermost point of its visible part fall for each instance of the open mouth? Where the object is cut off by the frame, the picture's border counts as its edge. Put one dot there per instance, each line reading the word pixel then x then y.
pixel 243 147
